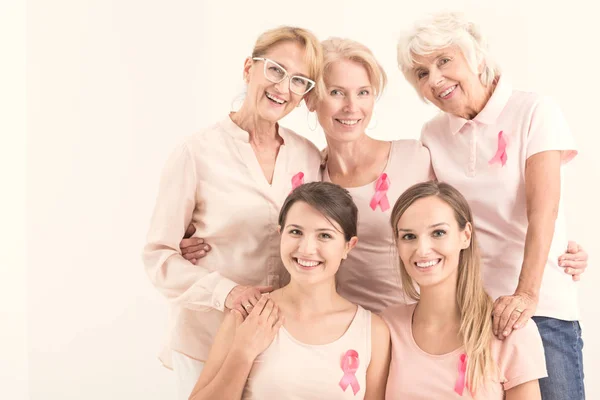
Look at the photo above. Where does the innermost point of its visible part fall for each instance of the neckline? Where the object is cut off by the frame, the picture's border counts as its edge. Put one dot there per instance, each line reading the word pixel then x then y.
pixel 369 185
pixel 350 327
pixel 413 342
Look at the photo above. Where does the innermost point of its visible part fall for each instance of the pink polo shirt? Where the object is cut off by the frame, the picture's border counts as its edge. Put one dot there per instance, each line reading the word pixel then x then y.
pixel 468 155
pixel 417 375
pixel 215 181
pixel 370 275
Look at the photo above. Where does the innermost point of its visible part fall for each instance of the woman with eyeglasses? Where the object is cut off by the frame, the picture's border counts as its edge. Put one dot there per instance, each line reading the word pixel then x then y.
pixel 230 181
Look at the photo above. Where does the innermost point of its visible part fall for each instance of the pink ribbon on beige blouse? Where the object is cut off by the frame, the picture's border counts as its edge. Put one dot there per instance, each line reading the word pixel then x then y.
pixel 500 156
pixel 461 381
pixel 380 196
pixel 297 180
pixel 350 365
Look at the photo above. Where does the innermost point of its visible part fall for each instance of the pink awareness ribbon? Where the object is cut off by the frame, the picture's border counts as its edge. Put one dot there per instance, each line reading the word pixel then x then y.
pixel 500 156
pixel 350 365
pixel 297 180
pixel 461 381
pixel 380 196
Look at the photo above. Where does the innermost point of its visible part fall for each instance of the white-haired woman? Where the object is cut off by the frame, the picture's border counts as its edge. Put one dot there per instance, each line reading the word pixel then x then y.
pixel 503 149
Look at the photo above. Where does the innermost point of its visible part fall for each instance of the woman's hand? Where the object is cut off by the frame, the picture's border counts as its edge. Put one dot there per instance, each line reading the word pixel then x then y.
pixel 193 248
pixel 255 333
pixel 512 312
pixel 244 298
pixel 574 260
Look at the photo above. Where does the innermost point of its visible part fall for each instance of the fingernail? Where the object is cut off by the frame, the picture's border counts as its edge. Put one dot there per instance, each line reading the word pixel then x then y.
pixel 201 252
pixel 517 326
pixel 505 333
pixel 206 248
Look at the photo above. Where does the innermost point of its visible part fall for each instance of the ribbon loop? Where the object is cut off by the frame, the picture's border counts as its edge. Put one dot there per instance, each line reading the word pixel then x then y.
pixel 461 381
pixel 297 180
pixel 500 156
pixel 380 197
pixel 350 365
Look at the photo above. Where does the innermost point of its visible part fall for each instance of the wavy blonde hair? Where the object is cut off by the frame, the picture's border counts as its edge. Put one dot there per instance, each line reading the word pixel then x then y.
pixel 474 303
pixel 335 49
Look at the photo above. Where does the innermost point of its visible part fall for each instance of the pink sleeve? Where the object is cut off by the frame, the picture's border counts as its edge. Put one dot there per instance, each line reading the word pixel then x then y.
pixel 548 130
pixel 175 277
pixel 521 357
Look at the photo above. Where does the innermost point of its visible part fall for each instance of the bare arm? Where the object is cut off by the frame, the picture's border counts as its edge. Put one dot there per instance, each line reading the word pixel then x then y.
pixel 542 187
pixel 526 391
pixel 236 346
pixel 378 370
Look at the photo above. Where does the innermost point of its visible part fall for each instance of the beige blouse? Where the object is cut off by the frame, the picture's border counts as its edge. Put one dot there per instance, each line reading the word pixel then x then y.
pixel 215 181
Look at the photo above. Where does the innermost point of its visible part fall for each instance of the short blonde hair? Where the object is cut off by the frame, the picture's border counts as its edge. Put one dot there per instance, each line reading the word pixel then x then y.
pixel 335 49
pixel 441 30
pixel 312 47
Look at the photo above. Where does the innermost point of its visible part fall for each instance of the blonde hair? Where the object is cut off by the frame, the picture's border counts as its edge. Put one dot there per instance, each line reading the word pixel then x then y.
pixel 313 51
pixel 335 49
pixel 474 303
pixel 441 30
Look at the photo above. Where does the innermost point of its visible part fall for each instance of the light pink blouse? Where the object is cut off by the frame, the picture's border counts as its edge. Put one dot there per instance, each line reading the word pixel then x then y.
pixel 215 181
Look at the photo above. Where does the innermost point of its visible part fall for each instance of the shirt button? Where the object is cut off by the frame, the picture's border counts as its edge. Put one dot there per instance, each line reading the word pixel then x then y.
pixel 217 304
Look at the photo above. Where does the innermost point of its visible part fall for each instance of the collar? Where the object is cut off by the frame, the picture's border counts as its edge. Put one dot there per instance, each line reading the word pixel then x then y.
pixel 490 113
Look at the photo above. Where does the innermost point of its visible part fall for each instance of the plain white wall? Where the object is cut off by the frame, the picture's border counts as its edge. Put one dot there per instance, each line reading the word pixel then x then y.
pixel 114 85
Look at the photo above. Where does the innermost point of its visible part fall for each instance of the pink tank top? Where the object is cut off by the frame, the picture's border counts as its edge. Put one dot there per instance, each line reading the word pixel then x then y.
pixel 291 370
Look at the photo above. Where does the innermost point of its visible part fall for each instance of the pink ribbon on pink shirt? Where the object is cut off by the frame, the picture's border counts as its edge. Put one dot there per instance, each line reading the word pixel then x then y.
pixel 297 180
pixel 500 156
pixel 380 196
pixel 461 381
pixel 350 365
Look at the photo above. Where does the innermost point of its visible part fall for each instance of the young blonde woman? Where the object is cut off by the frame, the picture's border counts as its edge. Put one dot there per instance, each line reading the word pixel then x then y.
pixel 306 341
pixel 443 345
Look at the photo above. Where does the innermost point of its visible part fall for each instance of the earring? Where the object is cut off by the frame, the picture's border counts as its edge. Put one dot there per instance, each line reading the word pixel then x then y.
pixel 308 118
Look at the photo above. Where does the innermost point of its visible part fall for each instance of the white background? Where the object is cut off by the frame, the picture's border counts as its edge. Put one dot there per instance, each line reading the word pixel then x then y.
pixel 113 86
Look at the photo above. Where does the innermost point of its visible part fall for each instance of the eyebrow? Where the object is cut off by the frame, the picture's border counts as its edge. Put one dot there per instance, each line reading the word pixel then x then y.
pixel 429 227
pixel 345 88
pixel 318 230
pixel 286 68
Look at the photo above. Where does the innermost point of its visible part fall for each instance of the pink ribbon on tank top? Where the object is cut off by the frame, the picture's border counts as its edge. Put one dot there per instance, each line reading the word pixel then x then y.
pixel 350 365
pixel 297 180
pixel 461 381
pixel 380 196
pixel 500 156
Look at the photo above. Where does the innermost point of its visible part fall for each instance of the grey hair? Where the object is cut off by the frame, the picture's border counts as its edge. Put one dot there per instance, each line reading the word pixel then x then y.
pixel 441 30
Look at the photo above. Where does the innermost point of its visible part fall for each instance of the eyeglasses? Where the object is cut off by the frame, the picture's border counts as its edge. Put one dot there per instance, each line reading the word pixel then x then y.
pixel 276 73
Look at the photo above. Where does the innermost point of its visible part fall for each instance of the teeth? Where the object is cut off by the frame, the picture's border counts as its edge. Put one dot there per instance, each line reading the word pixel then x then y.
pixel 275 99
pixel 447 91
pixel 348 121
pixel 427 264
pixel 307 263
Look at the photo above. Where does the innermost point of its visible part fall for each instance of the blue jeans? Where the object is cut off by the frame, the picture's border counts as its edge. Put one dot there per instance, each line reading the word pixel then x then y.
pixel 564 359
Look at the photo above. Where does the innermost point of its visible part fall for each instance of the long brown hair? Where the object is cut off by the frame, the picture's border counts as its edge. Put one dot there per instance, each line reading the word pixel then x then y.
pixel 474 303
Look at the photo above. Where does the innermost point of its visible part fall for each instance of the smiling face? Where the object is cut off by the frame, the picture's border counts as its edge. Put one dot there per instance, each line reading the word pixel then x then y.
pixel 346 107
pixel 430 241
pixel 447 81
pixel 272 101
pixel 312 246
